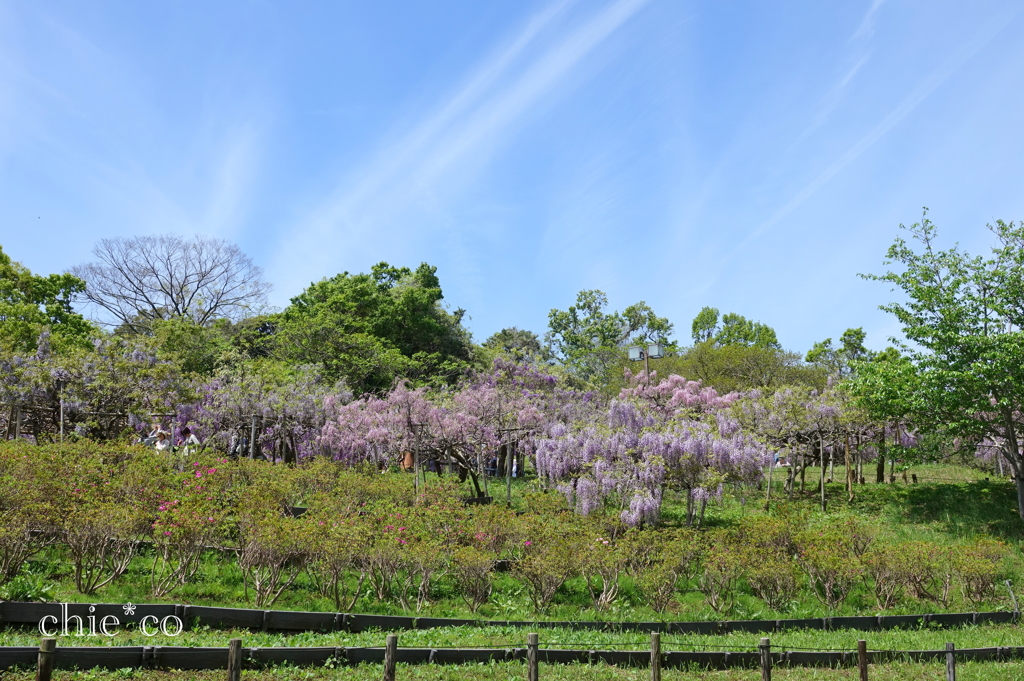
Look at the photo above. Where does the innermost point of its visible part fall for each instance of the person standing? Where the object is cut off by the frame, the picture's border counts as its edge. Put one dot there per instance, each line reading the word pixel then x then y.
pixel 188 441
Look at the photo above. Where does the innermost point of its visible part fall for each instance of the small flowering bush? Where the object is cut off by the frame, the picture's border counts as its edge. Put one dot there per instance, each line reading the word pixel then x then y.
pixel 603 560
pixel 979 566
pixel 472 568
pixel 890 569
pixel 26 515
pixel 337 552
pixel 721 570
pixel 826 554
pixel 661 561
pixel 548 558
pixel 190 519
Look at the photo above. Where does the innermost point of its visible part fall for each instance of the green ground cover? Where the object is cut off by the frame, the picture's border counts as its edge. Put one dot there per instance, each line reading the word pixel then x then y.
pixel 516 671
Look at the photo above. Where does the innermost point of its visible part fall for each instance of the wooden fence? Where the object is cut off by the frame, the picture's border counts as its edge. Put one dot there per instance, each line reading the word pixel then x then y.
pixel 18 613
pixel 234 658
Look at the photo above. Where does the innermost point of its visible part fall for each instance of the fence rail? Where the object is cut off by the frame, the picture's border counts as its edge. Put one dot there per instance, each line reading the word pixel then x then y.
pixel 20 613
pixel 194 659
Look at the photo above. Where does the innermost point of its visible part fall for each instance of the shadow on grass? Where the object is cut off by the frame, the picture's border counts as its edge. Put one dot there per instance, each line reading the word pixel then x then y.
pixel 967 508
pixel 962 509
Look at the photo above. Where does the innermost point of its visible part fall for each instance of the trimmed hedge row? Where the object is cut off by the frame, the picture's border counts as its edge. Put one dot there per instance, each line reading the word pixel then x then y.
pixel 12 612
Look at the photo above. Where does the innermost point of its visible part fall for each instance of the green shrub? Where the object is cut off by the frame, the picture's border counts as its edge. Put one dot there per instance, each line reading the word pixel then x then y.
pixel 979 566
pixel 827 557
pixel 720 571
pixel 472 569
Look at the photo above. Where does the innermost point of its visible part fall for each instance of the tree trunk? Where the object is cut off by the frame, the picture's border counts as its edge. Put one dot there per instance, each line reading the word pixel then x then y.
pixel 880 467
pixel 1013 457
pixel 821 451
pixel 803 469
pixel 1020 496
pixel 850 472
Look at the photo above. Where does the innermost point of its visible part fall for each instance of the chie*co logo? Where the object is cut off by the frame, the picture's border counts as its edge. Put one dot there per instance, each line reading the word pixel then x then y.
pixel 76 625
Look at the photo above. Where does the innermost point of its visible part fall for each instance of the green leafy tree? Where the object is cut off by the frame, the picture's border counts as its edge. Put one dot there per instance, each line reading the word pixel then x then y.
pixel 840 360
pixel 738 330
pixel 962 318
pixel 194 348
pixel 31 304
pixel 370 329
pixel 704 325
pixel 589 340
pixel 519 344
pixel 733 329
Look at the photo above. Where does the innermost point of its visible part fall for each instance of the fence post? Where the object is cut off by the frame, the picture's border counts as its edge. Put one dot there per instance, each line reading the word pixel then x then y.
pixel 532 658
pixel 950 662
pixel 44 668
pixel 235 659
pixel 862 659
pixel 766 659
pixel 390 656
pixel 655 656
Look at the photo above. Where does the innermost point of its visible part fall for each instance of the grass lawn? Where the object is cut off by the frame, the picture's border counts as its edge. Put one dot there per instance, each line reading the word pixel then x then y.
pixel 516 671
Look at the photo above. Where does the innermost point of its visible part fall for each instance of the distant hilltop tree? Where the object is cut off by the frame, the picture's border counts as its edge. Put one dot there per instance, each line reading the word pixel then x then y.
pixel 137 280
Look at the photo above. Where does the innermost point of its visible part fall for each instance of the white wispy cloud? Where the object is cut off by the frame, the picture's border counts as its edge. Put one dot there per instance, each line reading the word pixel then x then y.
pixel 867 25
pixel 448 145
pixel 85 119
pixel 891 120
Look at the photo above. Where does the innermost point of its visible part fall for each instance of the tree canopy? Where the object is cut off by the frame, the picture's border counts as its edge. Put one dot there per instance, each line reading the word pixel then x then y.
pixel 136 280
pixel 31 304
pixel 370 329
pixel 588 340
pixel 734 329
pixel 962 318
pixel 839 360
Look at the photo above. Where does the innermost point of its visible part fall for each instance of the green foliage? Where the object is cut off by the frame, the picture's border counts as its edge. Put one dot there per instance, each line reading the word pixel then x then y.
pixel 721 570
pixel 662 559
pixel 826 554
pixel 29 588
pixel 192 517
pixel 519 345
pixel 979 566
pixel 549 556
pixel 738 330
pixel 589 340
pixel 31 304
pixel 473 571
pixel 962 318
pixel 704 325
pixel 840 360
pixel 194 348
pixel 370 329
pixel 737 367
pixel 365 544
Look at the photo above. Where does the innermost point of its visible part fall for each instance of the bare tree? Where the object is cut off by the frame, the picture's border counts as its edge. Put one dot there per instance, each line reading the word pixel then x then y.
pixel 142 278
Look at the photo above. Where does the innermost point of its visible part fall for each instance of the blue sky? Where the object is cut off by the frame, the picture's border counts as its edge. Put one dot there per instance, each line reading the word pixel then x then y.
pixel 752 156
